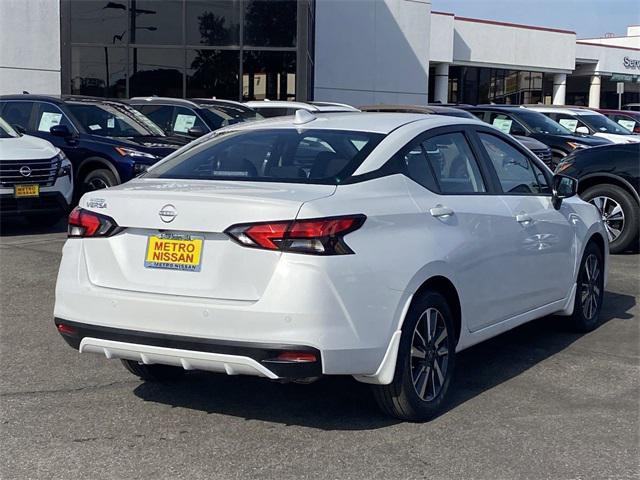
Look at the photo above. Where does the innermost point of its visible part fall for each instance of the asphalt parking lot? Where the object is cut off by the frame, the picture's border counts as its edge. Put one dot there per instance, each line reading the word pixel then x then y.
pixel 537 402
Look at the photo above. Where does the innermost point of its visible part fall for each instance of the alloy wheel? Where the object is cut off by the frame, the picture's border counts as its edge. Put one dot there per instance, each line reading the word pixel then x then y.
pixel 429 354
pixel 590 287
pixel 612 215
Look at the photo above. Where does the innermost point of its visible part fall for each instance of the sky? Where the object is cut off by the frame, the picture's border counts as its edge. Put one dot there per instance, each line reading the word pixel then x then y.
pixel 588 18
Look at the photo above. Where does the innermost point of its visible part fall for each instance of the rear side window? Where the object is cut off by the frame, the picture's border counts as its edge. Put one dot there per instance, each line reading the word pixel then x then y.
pixel 18 113
pixel 454 166
pixel 517 174
pixel 278 155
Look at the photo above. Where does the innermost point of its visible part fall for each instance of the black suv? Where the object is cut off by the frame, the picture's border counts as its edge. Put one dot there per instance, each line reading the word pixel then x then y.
pixel 520 121
pixel 106 141
pixel 192 118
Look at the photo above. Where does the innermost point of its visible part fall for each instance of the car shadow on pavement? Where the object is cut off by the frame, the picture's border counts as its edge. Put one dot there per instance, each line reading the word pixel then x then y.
pixel 341 403
pixel 17 227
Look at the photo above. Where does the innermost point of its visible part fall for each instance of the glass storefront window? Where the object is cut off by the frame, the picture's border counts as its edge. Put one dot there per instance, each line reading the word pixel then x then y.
pixel 156 22
pixel 99 71
pixel 213 22
pixel 195 48
pixel 270 23
pixel 268 74
pixel 156 71
pixel 99 22
pixel 213 73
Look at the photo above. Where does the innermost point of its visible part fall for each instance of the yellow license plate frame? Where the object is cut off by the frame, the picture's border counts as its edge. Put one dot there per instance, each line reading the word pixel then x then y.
pixel 174 252
pixel 26 191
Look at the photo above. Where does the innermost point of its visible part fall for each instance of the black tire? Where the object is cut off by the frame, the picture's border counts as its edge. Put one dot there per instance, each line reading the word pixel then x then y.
pixel 630 210
pixel 98 179
pixel 153 373
pixel 401 398
pixel 590 288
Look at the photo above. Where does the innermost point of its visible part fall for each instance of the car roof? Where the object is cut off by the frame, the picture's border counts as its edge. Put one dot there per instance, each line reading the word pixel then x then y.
pixel 163 101
pixel 218 101
pixel 426 109
pixel 568 109
pixel 374 122
pixel 62 98
pixel 332 107
pixel 618 112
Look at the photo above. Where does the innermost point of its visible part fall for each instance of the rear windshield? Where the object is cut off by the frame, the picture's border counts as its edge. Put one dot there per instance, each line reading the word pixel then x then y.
pixel 273 155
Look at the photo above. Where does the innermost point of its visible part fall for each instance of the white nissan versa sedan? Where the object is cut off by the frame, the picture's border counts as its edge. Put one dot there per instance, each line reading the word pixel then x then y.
pixel 376 245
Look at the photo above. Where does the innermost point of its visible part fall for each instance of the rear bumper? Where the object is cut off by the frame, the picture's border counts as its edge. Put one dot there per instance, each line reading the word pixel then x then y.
pixel 233 358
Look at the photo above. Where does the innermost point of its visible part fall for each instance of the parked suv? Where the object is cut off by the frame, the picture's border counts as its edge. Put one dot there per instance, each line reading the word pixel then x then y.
pixel 36 179
pixel 106 141
pixel 586 121
pixel 191 118
pixel 610 179
pixel 516 120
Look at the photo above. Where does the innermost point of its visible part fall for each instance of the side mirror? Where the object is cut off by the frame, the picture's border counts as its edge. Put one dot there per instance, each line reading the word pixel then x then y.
pixel 582 130
pixel 563 187
pixel 196 132
pixel 60 131
pixel 20 129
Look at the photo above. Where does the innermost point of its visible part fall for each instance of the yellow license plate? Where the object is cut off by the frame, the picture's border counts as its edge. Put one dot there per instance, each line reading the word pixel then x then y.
pixel 23 191
pixel 175 252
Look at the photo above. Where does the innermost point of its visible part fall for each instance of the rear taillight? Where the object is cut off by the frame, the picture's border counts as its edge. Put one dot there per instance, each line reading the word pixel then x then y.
pixel 84 223
pixel 320 236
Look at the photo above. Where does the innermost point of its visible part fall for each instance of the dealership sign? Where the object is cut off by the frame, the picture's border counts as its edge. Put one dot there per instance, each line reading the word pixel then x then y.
pixel 631 63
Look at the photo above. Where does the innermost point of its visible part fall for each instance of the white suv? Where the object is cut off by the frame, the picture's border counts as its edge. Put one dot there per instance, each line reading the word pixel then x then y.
pixel 36 178
pixel 376 245
pixel 587 122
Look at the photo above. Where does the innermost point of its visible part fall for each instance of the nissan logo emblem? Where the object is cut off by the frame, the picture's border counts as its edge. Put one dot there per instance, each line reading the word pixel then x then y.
pixel 168 213
pixel 25 171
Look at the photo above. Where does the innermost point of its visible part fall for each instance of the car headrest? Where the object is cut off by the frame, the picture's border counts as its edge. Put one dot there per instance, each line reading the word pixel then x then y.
pixel 327 164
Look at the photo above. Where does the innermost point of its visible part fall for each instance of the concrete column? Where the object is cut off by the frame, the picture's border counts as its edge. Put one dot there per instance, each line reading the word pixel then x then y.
pixel 559 88
pixel 441 83
pixel 594 92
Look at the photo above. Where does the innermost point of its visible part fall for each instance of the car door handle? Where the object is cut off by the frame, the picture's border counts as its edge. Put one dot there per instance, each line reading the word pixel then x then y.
pixel 523 218
pixel 440 211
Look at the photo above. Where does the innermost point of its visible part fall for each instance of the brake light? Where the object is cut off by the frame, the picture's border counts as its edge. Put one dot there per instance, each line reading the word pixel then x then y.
pixel 84 223
pixel 320 236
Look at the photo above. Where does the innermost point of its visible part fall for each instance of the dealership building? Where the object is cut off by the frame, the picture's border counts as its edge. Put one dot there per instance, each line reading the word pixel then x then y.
pixel 358 52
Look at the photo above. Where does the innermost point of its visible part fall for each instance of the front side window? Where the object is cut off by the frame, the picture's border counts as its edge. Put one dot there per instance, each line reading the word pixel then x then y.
pixel 516 173
pixel 50 116
pixel 506 124
pixel 279 155
pixel 540 123
pixel 569 122
pixel 453 164
pixel 626 122
pixel 185 119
